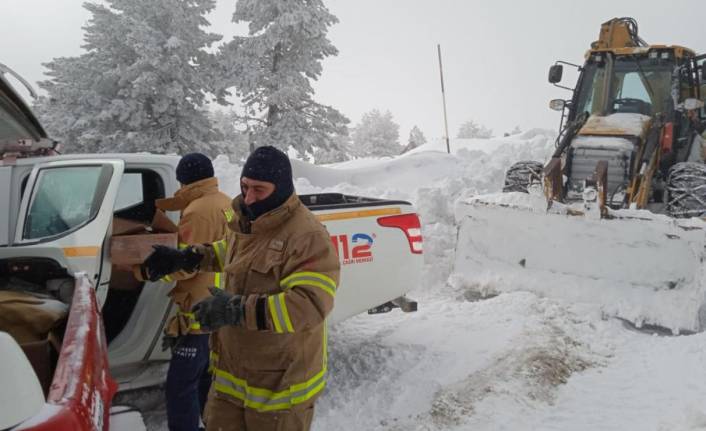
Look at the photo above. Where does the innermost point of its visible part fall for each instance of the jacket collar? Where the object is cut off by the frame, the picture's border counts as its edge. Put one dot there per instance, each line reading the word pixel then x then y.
pixel 187 194
pixel 265 222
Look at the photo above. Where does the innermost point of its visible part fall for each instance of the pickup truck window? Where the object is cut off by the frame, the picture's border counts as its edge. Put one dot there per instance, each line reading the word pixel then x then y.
pixel 64 199
pixel 138 190
pixel 130 191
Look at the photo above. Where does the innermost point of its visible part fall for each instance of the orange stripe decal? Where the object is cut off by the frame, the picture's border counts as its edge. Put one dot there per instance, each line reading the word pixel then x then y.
pixel 359 214
pixel 81 251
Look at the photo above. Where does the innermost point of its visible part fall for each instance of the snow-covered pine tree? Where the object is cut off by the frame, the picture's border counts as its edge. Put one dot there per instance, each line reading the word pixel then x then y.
pixel 141 84
pixel 416 139
pixel 472 130
pixel 338 151
pixel 232 142
pixel 377 135
pixel 272 69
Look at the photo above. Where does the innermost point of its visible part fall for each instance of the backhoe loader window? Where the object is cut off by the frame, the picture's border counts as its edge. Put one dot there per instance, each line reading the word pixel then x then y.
pixel 637 85
pixel 632 88
pixel 590 98
pixel 64 198
pixel 640 85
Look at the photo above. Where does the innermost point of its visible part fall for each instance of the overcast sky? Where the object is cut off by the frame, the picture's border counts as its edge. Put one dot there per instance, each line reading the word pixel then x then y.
pixel 495 53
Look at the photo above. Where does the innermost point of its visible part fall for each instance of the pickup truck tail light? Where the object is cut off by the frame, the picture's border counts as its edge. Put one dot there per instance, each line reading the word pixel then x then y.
pixel 409 223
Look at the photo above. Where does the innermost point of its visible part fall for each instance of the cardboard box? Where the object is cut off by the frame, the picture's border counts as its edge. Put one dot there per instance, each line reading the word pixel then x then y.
pixel 132 241
pixel 134 249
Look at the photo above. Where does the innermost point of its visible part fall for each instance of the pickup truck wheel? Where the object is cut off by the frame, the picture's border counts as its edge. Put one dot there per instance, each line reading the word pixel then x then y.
pixel 521 175
pixel 686 185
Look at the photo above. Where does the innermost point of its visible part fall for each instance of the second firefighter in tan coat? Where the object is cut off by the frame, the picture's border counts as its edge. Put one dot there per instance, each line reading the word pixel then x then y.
pixel 282 272
pixel 203 220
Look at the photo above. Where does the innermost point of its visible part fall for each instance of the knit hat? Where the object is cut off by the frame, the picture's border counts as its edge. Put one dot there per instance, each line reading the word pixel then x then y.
pixel 272 165
pixel 194 167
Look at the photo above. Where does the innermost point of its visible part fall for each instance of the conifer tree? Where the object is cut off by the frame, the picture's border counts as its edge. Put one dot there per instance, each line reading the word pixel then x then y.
pixel 272 69
pixel 377 135
pixel 141 85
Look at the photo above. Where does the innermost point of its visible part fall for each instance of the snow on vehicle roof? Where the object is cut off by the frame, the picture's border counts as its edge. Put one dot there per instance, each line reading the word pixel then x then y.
pixel 132 158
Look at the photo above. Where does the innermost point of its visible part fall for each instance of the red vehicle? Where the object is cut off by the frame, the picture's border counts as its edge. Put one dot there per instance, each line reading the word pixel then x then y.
pixel 81 389
pixel 54 370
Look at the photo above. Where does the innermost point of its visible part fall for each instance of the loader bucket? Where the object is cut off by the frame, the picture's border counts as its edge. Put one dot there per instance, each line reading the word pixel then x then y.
pixel 639 266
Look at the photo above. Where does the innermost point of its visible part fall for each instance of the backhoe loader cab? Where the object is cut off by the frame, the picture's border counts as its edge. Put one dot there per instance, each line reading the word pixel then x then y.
pixel 593 218
pixel 626 126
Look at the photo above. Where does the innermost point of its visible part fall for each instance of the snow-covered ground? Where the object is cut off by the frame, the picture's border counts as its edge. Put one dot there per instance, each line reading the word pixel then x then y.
pixel 515 361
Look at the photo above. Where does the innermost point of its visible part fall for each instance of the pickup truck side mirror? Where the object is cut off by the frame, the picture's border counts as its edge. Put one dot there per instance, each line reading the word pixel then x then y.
pixel 555 73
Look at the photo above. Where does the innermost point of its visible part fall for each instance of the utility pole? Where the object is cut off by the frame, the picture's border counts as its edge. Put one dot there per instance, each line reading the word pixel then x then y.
pixel 443 98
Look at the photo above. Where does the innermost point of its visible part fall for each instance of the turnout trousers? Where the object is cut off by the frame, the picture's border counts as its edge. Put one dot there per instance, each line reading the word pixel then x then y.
pixel 223 415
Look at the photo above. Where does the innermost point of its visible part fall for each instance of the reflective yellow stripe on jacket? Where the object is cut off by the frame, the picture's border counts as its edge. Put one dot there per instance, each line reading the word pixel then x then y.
pixel 219 249
pixel 229 214
pixel 309 278
pixel 212 361
pixel 218 282
pixel 264 399
pixel 278 306
pixel 279 313
pixel 193 323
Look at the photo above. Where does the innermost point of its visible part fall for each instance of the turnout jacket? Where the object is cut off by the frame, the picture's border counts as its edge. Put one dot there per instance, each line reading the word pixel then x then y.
pixel 203 219
pixel 285 267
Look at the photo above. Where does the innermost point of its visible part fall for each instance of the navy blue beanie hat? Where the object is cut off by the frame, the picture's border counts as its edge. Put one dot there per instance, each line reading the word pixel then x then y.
pixel 272 165
pixel 194 167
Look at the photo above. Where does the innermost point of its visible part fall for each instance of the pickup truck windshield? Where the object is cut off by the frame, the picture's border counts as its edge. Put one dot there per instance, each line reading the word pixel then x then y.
pixel 63 199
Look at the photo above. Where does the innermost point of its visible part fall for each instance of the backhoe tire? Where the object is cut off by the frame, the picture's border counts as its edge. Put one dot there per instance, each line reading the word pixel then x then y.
pixel 686 187
pixel 521 175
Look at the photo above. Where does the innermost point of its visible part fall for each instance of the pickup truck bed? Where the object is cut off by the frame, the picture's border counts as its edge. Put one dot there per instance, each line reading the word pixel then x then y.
pixel 379 244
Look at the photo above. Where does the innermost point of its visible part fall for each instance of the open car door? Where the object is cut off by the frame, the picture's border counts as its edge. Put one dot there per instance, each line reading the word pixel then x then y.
pixel 66 214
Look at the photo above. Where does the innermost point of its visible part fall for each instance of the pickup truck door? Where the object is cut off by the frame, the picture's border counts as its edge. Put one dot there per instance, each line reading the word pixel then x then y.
pixel 66 213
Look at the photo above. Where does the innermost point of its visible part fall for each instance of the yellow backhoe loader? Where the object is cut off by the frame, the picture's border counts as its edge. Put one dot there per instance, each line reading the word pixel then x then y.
pixel 614 217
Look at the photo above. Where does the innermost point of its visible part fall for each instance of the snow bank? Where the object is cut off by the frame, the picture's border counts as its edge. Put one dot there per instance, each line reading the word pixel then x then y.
pixel 515 361
pixel 475 166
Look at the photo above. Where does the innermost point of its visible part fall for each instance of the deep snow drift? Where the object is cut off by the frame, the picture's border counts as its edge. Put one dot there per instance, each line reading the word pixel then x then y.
pixel 516 361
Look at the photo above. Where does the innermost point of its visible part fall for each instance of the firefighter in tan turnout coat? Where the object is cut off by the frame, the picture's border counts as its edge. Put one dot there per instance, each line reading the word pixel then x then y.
pixel 203 219
pixel 281 271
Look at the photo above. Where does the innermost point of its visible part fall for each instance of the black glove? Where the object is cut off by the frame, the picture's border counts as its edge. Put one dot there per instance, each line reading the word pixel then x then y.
pixel 170 342
pixel 167 260
pixel 219 310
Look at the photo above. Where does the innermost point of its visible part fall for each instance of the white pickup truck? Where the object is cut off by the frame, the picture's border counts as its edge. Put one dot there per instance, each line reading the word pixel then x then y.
pixel 56 221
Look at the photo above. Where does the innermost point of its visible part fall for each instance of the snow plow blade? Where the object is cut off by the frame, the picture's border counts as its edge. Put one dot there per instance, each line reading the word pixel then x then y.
pixel 638 266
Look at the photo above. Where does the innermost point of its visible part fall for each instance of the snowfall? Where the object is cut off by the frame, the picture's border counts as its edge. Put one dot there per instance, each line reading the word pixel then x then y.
pixel 495 350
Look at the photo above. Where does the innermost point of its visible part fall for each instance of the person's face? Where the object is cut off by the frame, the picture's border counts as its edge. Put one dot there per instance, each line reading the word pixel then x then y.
pixel 254 190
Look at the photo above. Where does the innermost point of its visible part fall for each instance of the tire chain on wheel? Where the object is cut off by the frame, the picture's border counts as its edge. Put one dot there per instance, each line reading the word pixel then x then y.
pixel 521 174
pixel 686 185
